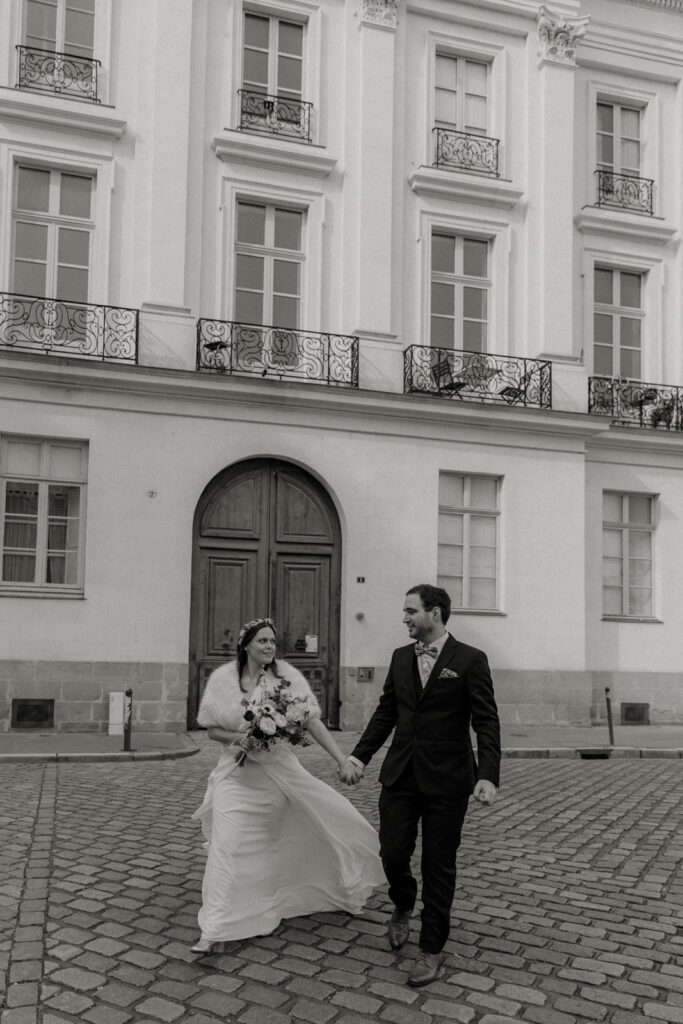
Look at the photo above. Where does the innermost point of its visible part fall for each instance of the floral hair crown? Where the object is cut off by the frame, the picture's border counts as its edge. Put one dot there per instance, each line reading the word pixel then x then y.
pixel 255 624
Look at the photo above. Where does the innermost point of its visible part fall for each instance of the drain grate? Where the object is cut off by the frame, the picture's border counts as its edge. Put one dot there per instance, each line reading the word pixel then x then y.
pixel 33 714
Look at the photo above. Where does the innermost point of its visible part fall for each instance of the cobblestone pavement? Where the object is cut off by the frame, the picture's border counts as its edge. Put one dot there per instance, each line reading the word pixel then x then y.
pixel 569 906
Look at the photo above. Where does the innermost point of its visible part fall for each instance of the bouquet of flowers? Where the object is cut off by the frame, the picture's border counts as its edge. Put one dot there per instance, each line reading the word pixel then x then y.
pixel 274 713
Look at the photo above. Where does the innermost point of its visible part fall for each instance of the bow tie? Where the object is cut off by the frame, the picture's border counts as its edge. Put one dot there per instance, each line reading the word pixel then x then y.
pixel 429 649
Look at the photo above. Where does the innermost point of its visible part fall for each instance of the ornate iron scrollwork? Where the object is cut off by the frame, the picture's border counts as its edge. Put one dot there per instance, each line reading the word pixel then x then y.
pixel 476 376
pixel 275 115
pixel 626 191
pixel 53 327
pixel 464 151
pixel 63 73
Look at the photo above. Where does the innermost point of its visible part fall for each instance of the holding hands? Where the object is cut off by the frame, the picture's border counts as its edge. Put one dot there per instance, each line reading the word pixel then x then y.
pixel 350 773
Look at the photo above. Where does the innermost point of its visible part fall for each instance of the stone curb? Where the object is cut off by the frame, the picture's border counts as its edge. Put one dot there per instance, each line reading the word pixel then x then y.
pixel 593 753
pixel 189 749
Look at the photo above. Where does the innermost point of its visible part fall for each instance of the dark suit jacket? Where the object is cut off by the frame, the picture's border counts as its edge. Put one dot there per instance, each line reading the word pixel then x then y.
pixel 432 725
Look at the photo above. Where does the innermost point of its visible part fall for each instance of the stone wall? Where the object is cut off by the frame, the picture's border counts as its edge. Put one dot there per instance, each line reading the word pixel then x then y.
pixel 80 690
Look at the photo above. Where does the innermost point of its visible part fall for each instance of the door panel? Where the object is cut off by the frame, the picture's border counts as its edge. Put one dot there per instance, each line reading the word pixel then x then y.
pixel 267 541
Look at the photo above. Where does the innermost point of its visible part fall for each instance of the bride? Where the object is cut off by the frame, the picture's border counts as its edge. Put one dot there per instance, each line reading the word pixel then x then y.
pixel 280 842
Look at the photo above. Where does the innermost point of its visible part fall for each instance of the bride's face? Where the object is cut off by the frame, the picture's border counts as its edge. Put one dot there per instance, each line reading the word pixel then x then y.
pixel 261 647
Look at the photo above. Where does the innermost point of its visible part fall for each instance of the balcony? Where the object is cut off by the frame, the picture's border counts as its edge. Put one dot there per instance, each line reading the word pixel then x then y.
pixel 624 192
pixel 275 115
pixel 61 73
pixel 476 376
pixel 461 151
pixel 633 403
pixel 266 351
pixel 74 329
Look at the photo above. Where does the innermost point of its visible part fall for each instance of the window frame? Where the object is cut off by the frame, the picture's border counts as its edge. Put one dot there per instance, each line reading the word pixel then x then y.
pixel 458 280
pixel 60 42
pixel 460 123
pixel 618 137
pixel 617 312
pixel 466 512
pixel 269 253
pixel 650 104
pixel 45 479
pixel 625 528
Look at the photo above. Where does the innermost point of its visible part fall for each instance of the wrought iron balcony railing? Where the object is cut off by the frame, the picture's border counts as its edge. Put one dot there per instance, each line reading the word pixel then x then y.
pixel 635 403
pixel 265 351
pixel 275 115
pixel 625 191
pixel 75 329
pixel 463 151
pixel 62 73
pixel 479 376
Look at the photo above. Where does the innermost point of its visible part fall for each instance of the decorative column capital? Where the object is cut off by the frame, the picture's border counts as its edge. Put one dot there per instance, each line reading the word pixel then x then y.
pixel 558 36
pixel 379 12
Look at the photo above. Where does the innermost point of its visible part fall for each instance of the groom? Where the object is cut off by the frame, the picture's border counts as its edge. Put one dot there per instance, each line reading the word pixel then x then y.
pixel 435 689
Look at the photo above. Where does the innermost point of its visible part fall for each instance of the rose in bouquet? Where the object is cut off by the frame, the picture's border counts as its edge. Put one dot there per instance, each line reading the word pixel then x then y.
pixel 274 714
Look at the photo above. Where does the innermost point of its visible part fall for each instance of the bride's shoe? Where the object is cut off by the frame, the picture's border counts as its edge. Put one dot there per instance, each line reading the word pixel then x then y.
pixel 204 946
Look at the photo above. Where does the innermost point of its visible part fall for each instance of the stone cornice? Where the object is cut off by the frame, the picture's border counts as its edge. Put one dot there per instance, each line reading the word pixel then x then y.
pixel 667 5
pixel 273 153
pixel 39 110
pixel 625 225
pixel 470 188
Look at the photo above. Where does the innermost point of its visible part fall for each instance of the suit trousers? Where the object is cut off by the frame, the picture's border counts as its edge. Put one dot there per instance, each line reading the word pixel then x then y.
pixel 401 807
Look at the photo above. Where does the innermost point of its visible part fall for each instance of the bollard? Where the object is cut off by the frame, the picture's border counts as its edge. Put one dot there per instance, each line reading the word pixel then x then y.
pixel 608 702
pixel 127 718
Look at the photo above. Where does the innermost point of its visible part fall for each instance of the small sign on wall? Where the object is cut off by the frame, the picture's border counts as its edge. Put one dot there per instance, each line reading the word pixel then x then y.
pixel 311 644
pixel 365 675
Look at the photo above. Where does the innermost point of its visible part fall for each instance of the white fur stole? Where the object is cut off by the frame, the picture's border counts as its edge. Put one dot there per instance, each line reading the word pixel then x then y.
pixel 221 704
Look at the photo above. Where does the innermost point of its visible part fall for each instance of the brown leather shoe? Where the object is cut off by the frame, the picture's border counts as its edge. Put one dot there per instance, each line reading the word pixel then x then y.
pixel 399 928
pixel 427 967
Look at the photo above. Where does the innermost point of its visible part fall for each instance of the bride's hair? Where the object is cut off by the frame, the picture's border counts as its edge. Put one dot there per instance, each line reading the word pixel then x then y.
pixel 247 634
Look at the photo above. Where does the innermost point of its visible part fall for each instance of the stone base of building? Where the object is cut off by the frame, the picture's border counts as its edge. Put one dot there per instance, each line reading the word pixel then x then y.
pixel 80 691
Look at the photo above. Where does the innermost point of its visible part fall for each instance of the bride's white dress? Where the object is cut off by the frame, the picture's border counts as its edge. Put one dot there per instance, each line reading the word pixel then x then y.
pixel 281 843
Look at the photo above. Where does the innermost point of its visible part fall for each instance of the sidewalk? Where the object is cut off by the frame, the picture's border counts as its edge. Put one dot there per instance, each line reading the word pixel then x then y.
pixel 521 741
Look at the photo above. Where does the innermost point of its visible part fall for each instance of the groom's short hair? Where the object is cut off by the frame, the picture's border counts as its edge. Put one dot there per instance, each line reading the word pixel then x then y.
pixel 433 597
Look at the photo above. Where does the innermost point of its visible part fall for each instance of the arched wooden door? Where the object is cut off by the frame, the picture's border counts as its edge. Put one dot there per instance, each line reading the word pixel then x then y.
pixel 267 541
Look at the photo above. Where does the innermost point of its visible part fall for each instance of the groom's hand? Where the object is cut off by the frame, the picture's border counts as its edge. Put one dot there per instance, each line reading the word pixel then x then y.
pixel 485 791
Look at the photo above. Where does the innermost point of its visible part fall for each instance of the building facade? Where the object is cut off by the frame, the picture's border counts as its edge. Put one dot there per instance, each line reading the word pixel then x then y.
pixel 307 301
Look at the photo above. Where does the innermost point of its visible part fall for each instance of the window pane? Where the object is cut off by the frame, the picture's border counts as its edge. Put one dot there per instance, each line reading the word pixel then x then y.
pixel 79 30
pixel 74 247
pixel 286 277
pixel 475 257
pixel 473 336
pixel 474 303
pixel 251 224
pixel 450 559
pixel 442 332
pixel 288 229
pixel 630 123
pixel 640 544
pixel 640 602
pixel 482 593
pixel 602 285
pixel 612 543
pixel 445 108
pixel 443 299
pixel 475 114
pixel 443 254
pixel 33 189
pixel 483 562
pixel 483 492
pixel 453 586
pixel 41 24
pixel 291 38
pixel 256 70
pixel 613 572
pixel 630 363
pixel 249 307
pixel 639 509
pixel 630 290
pixel 605 151
pixel 285 312
pixel 605 117
pixel 451 490
pixel 72 284
pixel 630 332
pixel 640 572
pixel 450 528
pixel 18 568
pixel 289 75
pixel 612 601
pixel 602 329
pixel 29 278
pixel 612 505
pixel 256 31
pixel 249 272
pixel 446 71
pixel 630 157
pixel 30 241
pixel 475 77
pixel 603 362
pixel 75 195
pixel 23 457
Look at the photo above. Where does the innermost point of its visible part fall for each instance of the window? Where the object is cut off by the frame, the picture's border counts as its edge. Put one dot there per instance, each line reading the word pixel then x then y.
pixel 43 498
pixel 52 233
pixel 461 94
pixel 268 265
pixel 618 139
pixel 627 533
pixel 618 316
pixel 468 540
pixel 459 292
pixel 62 26
pixel 272 76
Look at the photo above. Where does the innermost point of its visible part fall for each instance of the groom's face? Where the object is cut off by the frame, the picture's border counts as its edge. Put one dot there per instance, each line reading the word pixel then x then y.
pixel 420 622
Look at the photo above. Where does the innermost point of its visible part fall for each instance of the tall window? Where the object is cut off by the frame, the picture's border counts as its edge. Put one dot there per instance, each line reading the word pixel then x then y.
pixel 52 234
pixel 459 292
pixel 62 26
pixel 468 540
pixel 617 319
pixel 273 57
pixel 618 139
pixel 627 536
pixel 43 496
pixel 461 94
pixel 268 265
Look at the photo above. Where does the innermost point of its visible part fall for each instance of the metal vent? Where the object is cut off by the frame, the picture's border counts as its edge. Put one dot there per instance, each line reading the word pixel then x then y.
pixel 33 714
pixel 635 714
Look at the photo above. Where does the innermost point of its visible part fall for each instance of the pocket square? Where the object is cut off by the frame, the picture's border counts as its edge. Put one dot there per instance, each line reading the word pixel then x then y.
pixel 446 673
